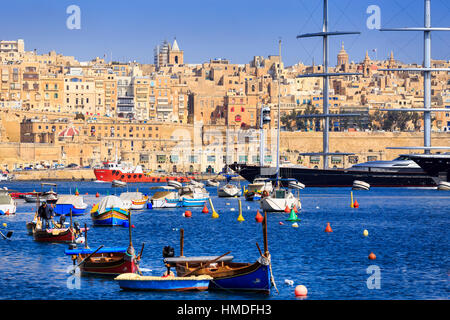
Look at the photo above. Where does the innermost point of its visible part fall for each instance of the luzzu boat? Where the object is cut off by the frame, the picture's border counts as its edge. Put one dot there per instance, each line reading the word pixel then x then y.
pixel 110 211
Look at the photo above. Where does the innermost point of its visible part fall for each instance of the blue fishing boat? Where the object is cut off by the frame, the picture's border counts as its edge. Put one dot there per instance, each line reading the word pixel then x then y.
pixel 65 203
pixel 110 211
pixel 186 202
pixel 132 281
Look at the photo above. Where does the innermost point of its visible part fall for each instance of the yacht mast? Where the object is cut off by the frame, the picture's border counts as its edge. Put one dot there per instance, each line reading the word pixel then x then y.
pixel 325 34
pixel 278 116
pixel 427 70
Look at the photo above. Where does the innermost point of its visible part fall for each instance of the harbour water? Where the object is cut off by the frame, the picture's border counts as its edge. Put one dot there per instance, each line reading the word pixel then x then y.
pixel 408 232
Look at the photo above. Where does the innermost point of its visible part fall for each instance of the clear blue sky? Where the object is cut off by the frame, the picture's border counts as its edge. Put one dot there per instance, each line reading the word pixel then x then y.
pixel 236 30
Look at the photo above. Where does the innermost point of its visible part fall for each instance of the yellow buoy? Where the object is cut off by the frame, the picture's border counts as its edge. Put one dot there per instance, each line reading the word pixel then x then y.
pixel 365 233
pixel 240 218
pixel 5 225
pixel 215 215
pixel 351 199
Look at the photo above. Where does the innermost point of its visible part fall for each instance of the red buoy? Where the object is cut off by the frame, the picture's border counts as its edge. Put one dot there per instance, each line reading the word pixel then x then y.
pixel 97 195
pixel 356 204
pixel 287 210
pixel 295 209
pixel 328 228
pixel 259 218
pixel 188 214
pixel 372 256
pixel 205 209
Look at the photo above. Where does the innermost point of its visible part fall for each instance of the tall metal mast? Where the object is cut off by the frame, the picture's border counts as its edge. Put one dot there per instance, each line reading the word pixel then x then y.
pixel 325 34
pixel 278 116
pixel 427 70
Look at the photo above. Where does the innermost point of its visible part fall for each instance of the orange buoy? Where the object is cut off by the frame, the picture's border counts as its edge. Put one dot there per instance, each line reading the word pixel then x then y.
pixel 301 291
pixel 281 223
pixel 295 209
pixel 328 228
pixel 205 209
pixel 188 214
pixel 97 195
pixel 259 218
pixel 287 210
pixel 372 256
pixel 356 204
pixel 87 193
pixel 77 193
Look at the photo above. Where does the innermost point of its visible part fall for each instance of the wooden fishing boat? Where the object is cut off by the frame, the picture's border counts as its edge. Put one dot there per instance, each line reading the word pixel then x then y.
pixel 110 261
pixel 59 233
pixel 106 261
pixel 228 275
pixel 132 281
pixel 110 211
pixel 64 235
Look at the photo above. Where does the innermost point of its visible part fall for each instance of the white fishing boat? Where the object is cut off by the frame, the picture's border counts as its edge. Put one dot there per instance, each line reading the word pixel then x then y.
pixel 229 190
pixel 168 197
pixel 7 203
pixel 444 185
pixel 118 183
pixel 192 196
pixel 212 183
pixel 195 183
pixel 360 185
pixel 137 199
pixel 278 200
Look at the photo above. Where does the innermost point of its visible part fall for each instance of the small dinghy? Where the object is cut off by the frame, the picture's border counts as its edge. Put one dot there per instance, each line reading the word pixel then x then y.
pixel 132 281
pixel 296 185
pixel 444 185
pixel 212 183
pixel 360 185
pixel 118 184
pixel 174 183
pixel 137 199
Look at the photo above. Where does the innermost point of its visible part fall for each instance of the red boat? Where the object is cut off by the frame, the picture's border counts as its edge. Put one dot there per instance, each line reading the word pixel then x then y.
pixel 114 171
pixel 106 261
pixel 64 235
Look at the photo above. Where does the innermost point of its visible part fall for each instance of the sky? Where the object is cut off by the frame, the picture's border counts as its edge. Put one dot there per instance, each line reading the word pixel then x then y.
pixel 231 29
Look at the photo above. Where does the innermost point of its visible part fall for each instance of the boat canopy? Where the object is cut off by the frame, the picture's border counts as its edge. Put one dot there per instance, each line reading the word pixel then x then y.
pixel 5 198
pixel 76 201
pixel 131 196
pixel 109 202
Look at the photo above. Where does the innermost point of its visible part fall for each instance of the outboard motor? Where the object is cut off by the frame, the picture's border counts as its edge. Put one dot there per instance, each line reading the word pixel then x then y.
pixel 168 252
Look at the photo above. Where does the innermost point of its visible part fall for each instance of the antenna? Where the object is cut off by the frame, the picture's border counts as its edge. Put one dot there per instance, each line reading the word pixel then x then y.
pixel 426 70
pixel 325 34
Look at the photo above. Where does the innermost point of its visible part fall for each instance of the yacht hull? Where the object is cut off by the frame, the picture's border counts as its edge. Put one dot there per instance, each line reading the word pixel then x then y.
pixel 339 177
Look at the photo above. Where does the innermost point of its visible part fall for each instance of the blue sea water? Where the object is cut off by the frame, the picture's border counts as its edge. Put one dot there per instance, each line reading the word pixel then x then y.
pixel 408 233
